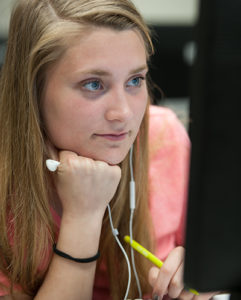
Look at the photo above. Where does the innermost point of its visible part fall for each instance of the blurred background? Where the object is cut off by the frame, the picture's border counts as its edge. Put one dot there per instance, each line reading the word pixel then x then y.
pixel 171 23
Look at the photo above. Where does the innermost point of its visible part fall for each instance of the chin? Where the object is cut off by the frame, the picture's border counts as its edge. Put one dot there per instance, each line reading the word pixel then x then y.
pixel 113 161
pixel 112 158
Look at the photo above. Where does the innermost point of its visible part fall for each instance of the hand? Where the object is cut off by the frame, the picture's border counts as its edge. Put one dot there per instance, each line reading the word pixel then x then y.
pixel 84 186
pixel 168 279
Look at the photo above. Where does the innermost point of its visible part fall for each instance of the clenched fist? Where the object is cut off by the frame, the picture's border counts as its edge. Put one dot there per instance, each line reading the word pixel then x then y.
pixel 85 186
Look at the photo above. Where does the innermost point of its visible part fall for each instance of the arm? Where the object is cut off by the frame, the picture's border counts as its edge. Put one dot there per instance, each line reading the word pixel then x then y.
pixel 85 187
pixel 67 279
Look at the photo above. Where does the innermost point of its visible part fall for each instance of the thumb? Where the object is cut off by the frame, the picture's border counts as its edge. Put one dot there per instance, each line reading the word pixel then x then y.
pixel 152 275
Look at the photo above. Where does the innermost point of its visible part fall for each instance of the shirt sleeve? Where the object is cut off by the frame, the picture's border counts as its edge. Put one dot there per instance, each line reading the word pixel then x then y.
pixel 168 176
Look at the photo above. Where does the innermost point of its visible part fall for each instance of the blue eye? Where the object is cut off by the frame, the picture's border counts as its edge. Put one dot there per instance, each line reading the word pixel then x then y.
pixel 94 85
pixel 135 82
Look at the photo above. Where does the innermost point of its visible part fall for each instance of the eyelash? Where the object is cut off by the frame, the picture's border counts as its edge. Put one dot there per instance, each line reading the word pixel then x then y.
pixel 100 86
pixel 140 78
pixel 92 82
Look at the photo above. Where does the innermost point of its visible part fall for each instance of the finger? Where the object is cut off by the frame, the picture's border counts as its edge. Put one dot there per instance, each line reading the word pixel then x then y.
pixel 117 171
pixel 205 296
pixel 168 270
pixel 65 155
pixel 152 275
pixel 176 285
pixel 185 295
pixel 68 159
pixel 52 164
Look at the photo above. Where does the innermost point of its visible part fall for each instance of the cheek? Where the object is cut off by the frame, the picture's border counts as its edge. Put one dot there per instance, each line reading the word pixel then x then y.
pixel 140 106
pixel 57 119
pixel 68 124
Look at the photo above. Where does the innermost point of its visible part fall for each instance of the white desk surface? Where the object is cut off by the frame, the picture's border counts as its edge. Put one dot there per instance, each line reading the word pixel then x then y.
pixel 222 297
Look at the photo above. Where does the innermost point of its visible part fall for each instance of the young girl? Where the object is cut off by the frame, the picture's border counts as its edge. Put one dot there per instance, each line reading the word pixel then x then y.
pixel 74 88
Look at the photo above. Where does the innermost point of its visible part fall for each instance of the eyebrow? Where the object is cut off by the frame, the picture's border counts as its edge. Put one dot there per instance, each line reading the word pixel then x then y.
pixel 100 72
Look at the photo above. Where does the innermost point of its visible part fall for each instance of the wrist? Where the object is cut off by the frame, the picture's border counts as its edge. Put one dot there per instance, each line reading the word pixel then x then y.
pixel 83 215
pixel 75 259
pixel 86 221
pixel 79 236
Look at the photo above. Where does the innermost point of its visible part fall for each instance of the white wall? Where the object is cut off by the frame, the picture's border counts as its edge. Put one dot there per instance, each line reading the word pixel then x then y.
pixel 176 12
pixel 183 12
pixel 5 10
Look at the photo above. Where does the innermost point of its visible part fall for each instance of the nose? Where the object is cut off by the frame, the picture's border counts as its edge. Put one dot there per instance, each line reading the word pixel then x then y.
pixel 119 106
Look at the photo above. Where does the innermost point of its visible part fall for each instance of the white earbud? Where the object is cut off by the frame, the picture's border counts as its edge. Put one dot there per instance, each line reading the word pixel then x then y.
pixel 52 165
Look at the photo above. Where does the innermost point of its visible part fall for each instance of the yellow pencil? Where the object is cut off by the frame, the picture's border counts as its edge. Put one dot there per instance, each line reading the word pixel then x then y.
pixel 156 261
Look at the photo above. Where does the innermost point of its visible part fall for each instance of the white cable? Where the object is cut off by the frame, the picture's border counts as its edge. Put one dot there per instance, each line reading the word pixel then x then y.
pixel 133 258
pixel 131 163
pixel 115 233
pixel 132 208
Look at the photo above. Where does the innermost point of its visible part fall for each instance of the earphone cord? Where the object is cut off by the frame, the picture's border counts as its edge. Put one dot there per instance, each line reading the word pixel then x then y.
pixel 115 233
pixel 132 208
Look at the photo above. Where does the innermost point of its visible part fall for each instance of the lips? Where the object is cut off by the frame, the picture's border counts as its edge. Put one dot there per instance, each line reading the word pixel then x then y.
pixel 113 136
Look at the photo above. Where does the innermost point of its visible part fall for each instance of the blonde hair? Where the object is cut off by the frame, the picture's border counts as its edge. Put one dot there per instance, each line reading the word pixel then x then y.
pixel 38 37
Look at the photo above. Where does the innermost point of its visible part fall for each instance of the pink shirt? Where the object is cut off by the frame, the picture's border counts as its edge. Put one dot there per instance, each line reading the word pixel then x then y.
pixel 168 176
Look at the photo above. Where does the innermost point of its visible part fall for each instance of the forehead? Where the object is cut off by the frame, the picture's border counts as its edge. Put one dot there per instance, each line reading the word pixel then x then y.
pixel 95 37
pixel 103 48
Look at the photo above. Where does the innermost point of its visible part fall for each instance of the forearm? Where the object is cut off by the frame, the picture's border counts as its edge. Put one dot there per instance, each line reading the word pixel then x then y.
pixel 85 187
pixel 67 279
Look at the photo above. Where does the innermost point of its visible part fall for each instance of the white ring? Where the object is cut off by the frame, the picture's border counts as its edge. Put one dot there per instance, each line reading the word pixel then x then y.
pixel 52 165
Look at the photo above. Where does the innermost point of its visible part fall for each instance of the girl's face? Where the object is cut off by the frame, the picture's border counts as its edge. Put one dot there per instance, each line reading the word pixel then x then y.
pixel 95 97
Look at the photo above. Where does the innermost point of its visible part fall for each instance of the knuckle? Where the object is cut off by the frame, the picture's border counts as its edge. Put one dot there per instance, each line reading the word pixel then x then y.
pixel 165 270
pixel 158 290
pixel 175 289
pixel 116 171
pixel 176 284
pixel 153 275
pixel 101 164
pixel 180 250
pixel 70 162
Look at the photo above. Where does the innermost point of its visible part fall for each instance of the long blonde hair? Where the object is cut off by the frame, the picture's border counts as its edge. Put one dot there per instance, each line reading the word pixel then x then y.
pixel 38 37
